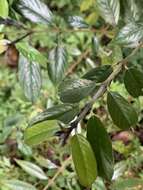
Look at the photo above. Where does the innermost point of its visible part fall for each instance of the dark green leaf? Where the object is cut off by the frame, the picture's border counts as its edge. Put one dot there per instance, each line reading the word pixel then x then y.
pixel 57 64
pixel 130 35
pixel 77 22
pixel 84 160
pixel 99 74
pixel 36 11
pixel 40 132
pixel 102 147
pixel 30 78
pixel 58 112
pixel 109 10
pixel 122 113
pixel 74 90
pixel 133 80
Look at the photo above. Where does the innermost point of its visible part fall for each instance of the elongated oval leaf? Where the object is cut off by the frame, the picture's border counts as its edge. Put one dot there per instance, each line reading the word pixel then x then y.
pixel 77 22
pixel 99 74
pixel 122 113
pixel 32 169
pixel 36 11
pixel 109 10
pixel 17 185
pixel 84 160
pixel 130 35
pixel 57 64
pixel 4 9
pixel 74 90
pixel 55 112
pixel 102 147
pixel 30 78
pixel 40 132
pixel 133 81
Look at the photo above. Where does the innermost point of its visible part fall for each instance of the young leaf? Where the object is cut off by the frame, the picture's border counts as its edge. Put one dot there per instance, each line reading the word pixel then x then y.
pixel 36 11
pixel 84 160
pixel 4 9
pixel 55 112
pixel 74 90
pixel 77 22
pixel 40 132
pixel 109 10
pixel 17 185
pixel 99 74
pixel 32 169
pixel 30 78
pixel 102 147
pixel 122 113
pixel 133 81
pixel 130 35
pixel 57 64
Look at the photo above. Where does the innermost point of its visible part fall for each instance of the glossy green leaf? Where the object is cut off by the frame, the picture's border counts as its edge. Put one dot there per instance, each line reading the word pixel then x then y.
pixel 121 112
pixel 74 90
pixel 77 22
pixel 84 160
pixel 17 185
pixel 102 147
pixel 109 10
pixel 133 81
pixel 57 64
pixel 40 132
pixel 130 35
pixel 36 11
pixel 56 112
pixel 30 78
pixel 32 169
pixel 99 74
pixel 4 9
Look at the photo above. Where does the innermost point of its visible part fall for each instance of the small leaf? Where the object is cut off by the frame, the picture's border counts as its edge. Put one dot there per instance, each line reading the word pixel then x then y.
pixel 133 81
pixel 99 74
pixel 109 10
pixel 32 169
pixel 17 185
pixel 102 147
pixel 4 9
pixel 122 113
pixel 40 132
pixel 84 160
pixel 130 35
pixel 85 5
pixel 36 11
pixel 95 45
pixel 74 90
pixel 57 64
pixel 77 22
pixel 55 112
pixel 30 78
pixel 4 45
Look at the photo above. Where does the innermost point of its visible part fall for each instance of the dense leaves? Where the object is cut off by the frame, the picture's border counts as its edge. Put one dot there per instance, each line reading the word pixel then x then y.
pixel 84 160
pixel 102 147
pixel 122 113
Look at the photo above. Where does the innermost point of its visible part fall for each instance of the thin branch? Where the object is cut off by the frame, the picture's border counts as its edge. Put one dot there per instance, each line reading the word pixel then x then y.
pixel 60 170
pixel 21 38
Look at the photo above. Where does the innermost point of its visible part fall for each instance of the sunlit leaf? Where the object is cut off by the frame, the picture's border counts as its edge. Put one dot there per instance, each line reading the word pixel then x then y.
pixel 77 22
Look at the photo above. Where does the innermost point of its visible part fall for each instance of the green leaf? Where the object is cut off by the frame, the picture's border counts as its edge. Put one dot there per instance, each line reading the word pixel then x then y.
pixel 17 185
pixel 36 11
pixel 133 81
pixel 84 160
pixel 32 169
pixel 99 74
pixel 30 78
pixel 126 184
pixel 95 45
pixel 57 64
pixel 130 35
pixel 77 22
pixel 109 10
pixel 122 113
pixel 40 132
pixel 4 9
pixel 102 147
pixel 56 112
pixel 74 90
